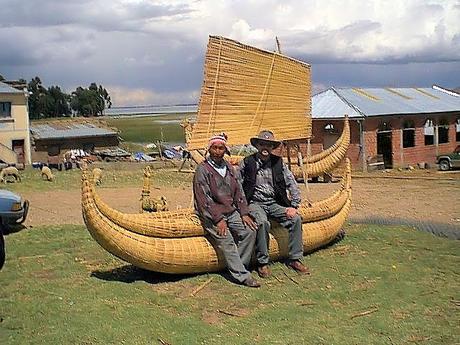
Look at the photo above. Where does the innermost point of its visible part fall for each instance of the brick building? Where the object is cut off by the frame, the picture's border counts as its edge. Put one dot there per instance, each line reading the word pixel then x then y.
pixel 396 126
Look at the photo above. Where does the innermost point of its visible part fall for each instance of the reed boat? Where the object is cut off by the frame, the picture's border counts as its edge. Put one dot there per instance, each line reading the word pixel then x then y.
pixel 245 89
pixel 174 241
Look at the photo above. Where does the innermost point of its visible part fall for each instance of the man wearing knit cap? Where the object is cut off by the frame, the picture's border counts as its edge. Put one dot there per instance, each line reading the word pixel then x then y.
pixel 266 181
pixel 223 211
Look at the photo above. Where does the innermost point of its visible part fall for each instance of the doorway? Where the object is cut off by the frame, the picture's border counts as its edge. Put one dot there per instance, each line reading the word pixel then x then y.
pixel 384 148
pixel 18 148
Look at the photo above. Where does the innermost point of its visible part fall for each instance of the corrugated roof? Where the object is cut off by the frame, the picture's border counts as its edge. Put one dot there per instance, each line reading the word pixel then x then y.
pixel 5 88
pixel 359 102
pixel 328 104
pixel 68 130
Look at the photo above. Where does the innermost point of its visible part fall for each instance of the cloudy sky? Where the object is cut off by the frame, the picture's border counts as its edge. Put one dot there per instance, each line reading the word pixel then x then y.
pixel 152 52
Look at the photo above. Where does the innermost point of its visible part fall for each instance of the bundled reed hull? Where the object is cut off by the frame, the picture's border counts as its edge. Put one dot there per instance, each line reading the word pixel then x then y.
pixel 196 254
pixel 184 222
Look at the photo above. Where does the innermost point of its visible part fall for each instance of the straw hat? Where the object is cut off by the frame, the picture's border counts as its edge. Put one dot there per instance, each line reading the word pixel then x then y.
pixel 265 136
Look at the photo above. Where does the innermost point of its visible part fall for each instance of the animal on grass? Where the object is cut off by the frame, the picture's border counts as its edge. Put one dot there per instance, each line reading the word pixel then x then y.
pixel 10 172
pixel 47 174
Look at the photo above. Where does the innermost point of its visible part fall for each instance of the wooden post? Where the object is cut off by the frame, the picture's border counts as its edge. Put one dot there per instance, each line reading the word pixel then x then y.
pixel 436 138
pixel 305 167
pixel 401 144
pixel 159 150
pixel 363 144
pixel 288 147
pixel 278 45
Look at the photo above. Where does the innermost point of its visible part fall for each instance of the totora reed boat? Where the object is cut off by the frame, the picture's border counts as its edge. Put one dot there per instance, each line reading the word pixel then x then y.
pixel 174 241
pixel 245 89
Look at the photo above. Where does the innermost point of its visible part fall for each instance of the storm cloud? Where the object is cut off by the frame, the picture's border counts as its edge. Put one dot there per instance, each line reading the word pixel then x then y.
pixel 152 52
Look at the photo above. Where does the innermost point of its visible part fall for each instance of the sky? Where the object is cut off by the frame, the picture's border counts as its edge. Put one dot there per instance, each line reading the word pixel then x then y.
pixel 152 52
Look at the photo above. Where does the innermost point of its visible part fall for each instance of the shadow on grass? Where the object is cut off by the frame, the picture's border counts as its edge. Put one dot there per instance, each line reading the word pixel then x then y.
pixel 131 274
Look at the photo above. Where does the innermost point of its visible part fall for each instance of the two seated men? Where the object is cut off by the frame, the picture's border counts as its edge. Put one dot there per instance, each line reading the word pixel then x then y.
pixel 235 209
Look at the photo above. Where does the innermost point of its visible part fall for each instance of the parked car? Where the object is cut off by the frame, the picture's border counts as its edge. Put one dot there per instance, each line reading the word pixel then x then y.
pixel 450 160
pixel 13 210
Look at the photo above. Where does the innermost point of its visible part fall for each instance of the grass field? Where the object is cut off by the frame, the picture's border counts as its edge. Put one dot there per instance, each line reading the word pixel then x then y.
pixel 380 285
pixel 150 129
pixel 116 175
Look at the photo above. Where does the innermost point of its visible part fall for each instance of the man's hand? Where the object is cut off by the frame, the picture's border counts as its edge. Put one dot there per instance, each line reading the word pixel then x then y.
pixel 247 220
pixel 291 212
pixel 222 228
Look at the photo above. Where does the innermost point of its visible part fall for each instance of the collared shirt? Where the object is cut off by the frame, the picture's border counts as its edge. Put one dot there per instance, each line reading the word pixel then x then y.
pixel 220 168
pixel 264 190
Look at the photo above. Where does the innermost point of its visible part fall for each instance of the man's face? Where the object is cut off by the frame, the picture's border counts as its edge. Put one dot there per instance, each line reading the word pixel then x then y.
pixel 217 152
pixel 264 149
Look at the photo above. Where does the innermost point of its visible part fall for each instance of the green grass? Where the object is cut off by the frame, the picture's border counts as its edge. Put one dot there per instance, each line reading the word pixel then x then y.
pixel 114 175
pixel 150 129
pixel 59 287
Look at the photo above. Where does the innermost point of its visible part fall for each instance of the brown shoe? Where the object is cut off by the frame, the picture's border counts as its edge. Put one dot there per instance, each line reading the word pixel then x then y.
pixel 297 266
pixel 264 271
pixel 251 282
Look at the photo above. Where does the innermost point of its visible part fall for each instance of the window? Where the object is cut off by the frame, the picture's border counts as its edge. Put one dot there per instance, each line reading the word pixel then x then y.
pixel 428 131
pixel 457 128
pixel 408 134
pixel 5 109
pixel 443 131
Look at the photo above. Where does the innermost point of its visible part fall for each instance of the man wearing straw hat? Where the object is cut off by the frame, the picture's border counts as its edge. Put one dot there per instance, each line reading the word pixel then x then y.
pixel 266 181
pixel 223 211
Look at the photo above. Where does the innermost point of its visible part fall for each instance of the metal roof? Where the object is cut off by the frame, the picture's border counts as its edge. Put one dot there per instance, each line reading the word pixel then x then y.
pixel 362 102
pixel 68 130
pixel 5 88
pixel 328 104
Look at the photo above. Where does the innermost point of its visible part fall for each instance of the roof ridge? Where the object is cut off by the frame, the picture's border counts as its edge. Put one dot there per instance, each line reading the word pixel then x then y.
pixel 351 105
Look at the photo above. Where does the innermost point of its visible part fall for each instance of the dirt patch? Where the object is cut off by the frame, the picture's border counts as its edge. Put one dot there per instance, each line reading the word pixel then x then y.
pixel 435 200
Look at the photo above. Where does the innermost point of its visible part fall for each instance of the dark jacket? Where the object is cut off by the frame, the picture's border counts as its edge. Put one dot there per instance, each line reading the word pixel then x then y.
pixel 279 184
pixel 215 196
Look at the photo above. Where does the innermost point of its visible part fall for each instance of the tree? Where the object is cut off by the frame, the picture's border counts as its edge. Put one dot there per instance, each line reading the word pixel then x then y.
pixel 91 101
pixel 58 104
pixel 51 102
pixel 37 91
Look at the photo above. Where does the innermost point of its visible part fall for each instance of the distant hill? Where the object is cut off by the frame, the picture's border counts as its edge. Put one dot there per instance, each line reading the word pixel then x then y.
pixel 457 89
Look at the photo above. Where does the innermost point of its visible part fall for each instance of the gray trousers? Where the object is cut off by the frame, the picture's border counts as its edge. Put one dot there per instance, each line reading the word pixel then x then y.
pixel 237 246
pixel 262 213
